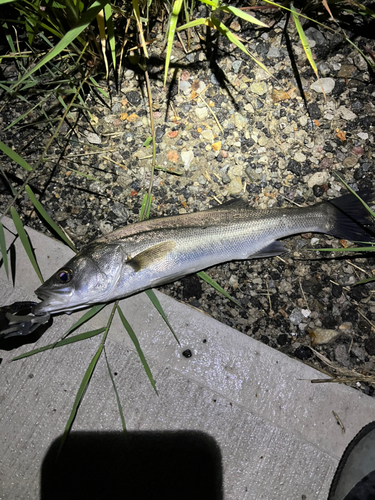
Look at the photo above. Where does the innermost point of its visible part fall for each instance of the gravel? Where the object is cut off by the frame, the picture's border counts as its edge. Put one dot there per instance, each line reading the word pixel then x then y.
pixel 230 130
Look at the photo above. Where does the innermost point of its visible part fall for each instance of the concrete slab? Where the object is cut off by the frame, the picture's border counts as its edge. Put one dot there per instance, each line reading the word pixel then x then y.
pixel 276 431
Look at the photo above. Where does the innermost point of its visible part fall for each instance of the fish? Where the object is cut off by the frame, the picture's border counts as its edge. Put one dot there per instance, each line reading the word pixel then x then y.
pixel 158 251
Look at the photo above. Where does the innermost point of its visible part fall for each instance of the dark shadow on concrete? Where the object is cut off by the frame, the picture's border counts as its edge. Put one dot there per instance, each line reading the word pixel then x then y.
pixel 165 465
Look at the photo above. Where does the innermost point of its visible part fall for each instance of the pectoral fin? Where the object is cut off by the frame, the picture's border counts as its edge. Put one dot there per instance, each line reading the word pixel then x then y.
pixel 273 249
pixel 151 255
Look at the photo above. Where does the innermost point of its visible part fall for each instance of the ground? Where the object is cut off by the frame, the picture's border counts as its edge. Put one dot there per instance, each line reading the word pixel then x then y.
pixel 224 129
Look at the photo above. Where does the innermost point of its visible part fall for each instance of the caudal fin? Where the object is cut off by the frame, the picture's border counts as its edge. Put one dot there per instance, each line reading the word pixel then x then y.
pixel 350 219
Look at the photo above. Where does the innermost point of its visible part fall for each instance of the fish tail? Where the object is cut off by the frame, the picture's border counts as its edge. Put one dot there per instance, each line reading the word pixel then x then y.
pixel 349 219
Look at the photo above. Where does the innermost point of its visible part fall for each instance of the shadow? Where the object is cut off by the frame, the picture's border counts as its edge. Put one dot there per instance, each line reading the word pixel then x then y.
pixel 137 465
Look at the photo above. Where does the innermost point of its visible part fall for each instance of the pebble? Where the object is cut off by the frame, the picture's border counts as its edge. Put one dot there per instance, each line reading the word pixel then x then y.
pixel 105 227
pixel 120 211
pixel 133 97
pixel 273 53
pixel 214 80
pixel 328 85
pixel 187 157
pixel 236 66
pixel 318 179
pixel 346 71
pixel 93 138
pixel 323 336
pixel 316 35
pixel 318 190
pixel 185 86
pixel 240 121
pixel 208 135
pixel 346 114
pixel 300 157
pixel 350 161
pixel 370 346
pixel 259 88
pixel 296 317
pixel 253 176
pixel 201 113
pixel 363 136
pixel 81 230
pixel 235 186
pixel 341 355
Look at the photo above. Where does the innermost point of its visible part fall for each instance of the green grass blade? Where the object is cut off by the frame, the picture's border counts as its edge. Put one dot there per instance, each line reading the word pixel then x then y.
pixel 147 142
pixel 15 157
pixel 155 301
pixel 116 393
pixel 146 207
pixel 60 343
pixel 210 3
pixel 25 241
pixel 27 112
pixel 243 15
pixel 3 249
pixel 233 39
pixel 86 380
pixel 368 280
pixel 196 22
pixel 369 61
pixel 169 171
pixel 88 315
pixel 351 249
pixel 304 41
pixel 47 218
pixel 356 195
pixel 108 14
pixel 84 21
pixel 172 29
pixel 98 87
pixel 80 394
pixel 217 287
pixel 134 339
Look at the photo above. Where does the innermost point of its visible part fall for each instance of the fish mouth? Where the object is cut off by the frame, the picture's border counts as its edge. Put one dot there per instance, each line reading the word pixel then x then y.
pixel 52 302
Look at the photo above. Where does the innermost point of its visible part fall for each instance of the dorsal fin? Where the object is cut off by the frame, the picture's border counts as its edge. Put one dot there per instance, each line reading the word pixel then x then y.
pixel 151 255
pixel 235 203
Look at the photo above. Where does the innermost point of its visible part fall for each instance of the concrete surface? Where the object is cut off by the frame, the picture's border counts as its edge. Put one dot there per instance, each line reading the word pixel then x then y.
pixel 276 432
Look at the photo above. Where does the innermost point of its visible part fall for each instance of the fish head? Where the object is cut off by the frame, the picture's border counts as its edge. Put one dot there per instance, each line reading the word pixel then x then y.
pixel 87 278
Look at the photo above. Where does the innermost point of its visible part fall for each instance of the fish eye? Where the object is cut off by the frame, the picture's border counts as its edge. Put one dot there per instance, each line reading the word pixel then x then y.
pixel 65 275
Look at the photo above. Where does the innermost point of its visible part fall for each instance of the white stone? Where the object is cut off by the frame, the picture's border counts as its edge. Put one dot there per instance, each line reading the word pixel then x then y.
pixel 346 114
pixel 317 179
pixel 208 135
pixel 328 85
pixel 201 113
pixel 300 157
pixel 363 136
pixel 93 138
pixel 235 186
pixel 187 157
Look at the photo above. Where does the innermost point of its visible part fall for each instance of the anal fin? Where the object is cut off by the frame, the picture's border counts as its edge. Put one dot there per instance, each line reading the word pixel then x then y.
pixel 271 250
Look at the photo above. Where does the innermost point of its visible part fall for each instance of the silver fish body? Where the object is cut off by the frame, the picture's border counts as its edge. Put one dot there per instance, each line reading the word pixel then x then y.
pixel 157 251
